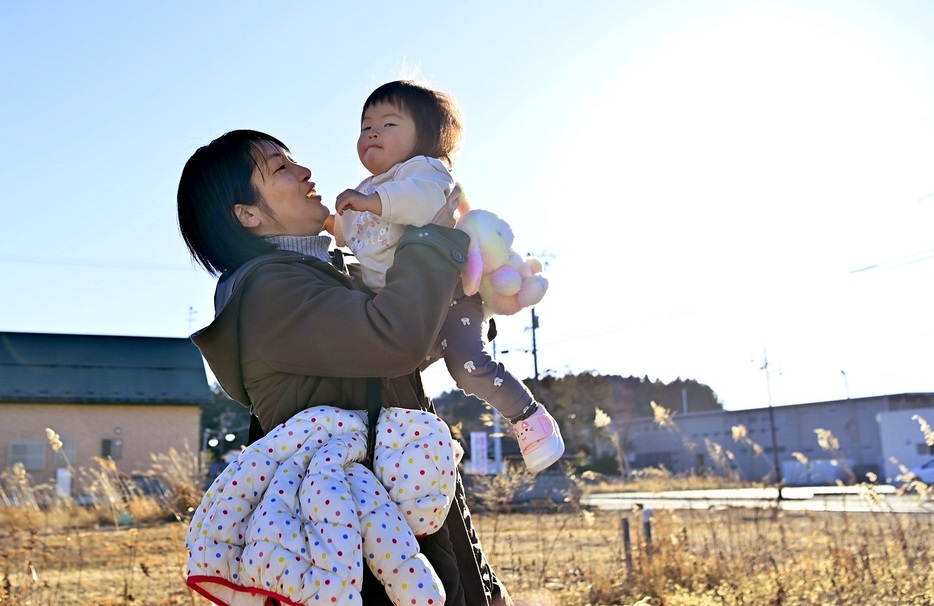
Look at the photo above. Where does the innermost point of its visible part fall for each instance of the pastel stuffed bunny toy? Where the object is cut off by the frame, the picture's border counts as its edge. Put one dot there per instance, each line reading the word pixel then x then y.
pixel 506 282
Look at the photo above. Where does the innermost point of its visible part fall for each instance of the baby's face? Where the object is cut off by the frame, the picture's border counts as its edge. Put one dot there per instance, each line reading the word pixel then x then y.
pixel 387 137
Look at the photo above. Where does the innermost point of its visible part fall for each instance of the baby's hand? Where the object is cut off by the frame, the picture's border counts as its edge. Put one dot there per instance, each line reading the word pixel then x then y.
pixel 353 200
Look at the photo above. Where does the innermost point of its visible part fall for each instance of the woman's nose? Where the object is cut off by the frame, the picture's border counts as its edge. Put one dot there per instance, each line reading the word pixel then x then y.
pixel 305 173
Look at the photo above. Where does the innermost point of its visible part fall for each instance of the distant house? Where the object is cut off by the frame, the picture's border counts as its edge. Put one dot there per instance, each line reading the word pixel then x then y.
pixel 116 397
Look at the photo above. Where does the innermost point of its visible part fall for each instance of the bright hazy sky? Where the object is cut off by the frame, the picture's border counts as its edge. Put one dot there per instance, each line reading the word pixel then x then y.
pixel 704 179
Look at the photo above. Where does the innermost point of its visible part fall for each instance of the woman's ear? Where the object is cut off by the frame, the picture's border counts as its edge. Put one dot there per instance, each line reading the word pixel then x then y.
pixel 248 215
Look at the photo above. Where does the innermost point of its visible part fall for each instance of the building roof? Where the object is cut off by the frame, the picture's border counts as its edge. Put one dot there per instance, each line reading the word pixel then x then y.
pixel 58 368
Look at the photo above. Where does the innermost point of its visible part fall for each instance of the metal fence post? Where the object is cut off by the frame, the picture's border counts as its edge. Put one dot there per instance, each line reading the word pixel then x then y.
pixel 627 545
pixel 647 515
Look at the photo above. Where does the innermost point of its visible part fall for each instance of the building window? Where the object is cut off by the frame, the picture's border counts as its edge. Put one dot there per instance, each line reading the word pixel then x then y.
pixel 112 448
pixel 30 454
pixel 653 459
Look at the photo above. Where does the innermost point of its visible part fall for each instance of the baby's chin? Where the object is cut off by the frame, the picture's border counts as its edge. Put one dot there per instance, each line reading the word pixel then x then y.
pixel 375 161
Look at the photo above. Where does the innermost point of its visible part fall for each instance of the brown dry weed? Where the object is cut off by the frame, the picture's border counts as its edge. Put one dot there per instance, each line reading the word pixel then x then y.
pixel 729 557
pixel 130 549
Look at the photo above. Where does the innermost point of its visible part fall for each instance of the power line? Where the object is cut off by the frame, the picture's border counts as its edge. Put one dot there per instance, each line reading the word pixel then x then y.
pixel 917 257
pixel 600 332
pixel 92 263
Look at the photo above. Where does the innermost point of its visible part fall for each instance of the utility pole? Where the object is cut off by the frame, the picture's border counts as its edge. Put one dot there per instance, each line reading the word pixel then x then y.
pixel 534 354
pixel 768 386
pixel 191 317
pixel 535 351
pixel 497 435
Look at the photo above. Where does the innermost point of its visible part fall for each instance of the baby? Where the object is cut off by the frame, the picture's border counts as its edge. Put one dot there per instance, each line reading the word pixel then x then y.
pixel 408 139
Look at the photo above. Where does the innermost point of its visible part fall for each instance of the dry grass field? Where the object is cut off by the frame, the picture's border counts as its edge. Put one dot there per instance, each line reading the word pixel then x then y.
pixel 127 548
pixel 733 556
pixel 104 566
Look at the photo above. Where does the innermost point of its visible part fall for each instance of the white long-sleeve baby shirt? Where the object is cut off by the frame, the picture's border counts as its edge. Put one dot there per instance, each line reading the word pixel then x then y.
pixel 412 193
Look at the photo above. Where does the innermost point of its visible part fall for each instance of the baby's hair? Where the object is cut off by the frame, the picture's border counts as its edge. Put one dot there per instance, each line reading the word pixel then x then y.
pixel 439 124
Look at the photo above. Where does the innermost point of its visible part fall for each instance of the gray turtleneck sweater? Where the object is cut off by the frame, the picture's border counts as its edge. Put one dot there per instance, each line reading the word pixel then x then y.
pixel 312 246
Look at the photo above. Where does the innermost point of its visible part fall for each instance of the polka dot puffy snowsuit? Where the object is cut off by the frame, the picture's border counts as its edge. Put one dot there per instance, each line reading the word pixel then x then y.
pixel 296 515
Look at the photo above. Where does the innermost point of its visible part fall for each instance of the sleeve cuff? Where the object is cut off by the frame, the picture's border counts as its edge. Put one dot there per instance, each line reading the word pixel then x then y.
pixel 451 243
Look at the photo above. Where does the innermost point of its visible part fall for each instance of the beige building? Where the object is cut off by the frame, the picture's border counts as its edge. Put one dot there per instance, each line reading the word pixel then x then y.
pixel 122 398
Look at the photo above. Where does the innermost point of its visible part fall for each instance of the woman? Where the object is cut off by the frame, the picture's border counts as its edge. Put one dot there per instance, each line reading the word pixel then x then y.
pixel 292 330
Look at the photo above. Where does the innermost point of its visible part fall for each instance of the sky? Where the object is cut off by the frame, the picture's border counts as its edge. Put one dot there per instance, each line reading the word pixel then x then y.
pixel 712 185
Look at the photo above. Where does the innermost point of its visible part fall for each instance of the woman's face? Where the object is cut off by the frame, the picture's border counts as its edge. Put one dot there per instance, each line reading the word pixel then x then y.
pixel 294 208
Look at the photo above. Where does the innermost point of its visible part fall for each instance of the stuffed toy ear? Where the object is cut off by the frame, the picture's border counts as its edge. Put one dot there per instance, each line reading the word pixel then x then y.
pixel 473 269
pixel 463 204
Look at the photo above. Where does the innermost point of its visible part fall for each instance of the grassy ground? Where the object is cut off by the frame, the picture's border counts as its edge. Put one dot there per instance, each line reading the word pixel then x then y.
pixel 728 557
pixel 123 551
pixel 100 566
pixel 754 557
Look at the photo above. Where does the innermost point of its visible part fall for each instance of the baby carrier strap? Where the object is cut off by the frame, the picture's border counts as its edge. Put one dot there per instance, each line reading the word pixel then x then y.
pixel 373 406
